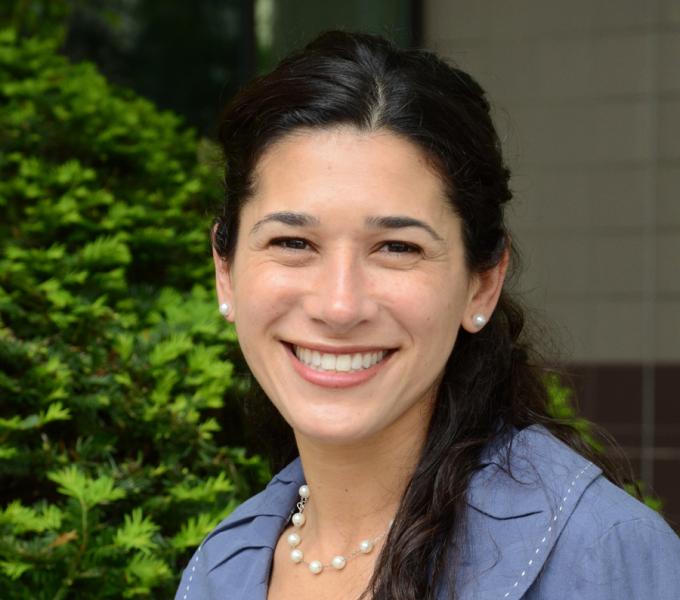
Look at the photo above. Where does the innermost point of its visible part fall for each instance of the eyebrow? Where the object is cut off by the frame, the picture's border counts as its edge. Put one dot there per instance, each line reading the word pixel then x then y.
pixel 287 218
pixel 295 219
pixel 400 222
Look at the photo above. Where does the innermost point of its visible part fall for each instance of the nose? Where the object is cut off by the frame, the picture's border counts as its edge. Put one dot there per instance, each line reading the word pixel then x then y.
pixel 341 297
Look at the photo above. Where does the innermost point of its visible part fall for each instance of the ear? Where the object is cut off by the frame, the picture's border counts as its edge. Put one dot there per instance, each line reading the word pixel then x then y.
pixel 485 290
pixel 223 280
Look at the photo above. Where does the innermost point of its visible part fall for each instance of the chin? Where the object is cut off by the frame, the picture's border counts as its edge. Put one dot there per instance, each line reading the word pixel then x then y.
pixel 334 433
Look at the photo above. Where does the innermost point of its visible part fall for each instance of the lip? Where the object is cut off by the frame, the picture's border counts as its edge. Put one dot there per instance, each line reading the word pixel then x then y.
pixel 337 379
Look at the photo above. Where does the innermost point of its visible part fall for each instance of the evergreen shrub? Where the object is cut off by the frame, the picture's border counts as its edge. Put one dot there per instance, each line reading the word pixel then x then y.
pixel 117 375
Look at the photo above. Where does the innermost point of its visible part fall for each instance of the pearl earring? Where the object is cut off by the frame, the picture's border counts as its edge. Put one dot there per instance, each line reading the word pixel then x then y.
pixel 479 320
pixel 224 309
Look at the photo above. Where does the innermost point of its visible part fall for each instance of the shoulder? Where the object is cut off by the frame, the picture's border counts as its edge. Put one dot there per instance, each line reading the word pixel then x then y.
pixel 598 505
pixel 538 510
pixel 613 547
pixel 233 560
pixel 528 472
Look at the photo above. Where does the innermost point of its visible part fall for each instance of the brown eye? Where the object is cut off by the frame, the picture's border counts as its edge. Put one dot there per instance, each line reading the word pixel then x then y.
pixel 290 243
pixel 400 247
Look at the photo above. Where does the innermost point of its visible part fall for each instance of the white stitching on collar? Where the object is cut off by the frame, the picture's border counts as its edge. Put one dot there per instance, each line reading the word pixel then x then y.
pixel 191 574
pixel 550 529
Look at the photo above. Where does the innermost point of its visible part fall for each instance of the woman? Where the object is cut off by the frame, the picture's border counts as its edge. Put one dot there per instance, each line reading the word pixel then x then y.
pixel 361 254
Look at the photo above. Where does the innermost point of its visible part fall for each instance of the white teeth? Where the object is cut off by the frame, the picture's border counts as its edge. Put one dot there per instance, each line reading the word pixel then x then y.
pixel 316 359
pixel 322 361
pixel 343 362
pixel 328 362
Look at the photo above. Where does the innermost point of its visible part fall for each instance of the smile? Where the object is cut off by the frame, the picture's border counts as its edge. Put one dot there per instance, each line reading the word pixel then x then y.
pixel 336 362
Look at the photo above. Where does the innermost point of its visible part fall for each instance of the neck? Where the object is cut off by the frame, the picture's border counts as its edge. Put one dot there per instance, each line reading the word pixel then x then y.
pixel 356 488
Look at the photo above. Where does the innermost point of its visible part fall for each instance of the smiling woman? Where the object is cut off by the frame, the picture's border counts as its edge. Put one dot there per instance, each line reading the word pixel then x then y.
pixel 362 255
pixel 339 261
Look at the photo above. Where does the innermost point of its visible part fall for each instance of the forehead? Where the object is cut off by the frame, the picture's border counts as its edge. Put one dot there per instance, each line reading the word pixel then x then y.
pixel 378 170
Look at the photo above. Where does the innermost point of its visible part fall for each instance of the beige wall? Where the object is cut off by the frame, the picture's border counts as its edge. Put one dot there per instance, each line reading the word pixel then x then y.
pixel 587 96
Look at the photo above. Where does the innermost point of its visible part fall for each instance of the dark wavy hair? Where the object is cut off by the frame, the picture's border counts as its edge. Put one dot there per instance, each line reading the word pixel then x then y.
pixel 493 382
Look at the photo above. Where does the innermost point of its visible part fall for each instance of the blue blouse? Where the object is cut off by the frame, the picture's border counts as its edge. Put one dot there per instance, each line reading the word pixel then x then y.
pixel 555 530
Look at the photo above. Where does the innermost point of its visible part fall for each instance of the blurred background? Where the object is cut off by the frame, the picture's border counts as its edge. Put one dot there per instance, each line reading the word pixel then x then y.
pixel 586 96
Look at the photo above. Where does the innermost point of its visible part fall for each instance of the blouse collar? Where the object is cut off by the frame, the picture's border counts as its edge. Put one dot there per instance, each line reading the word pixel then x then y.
pixel 538 486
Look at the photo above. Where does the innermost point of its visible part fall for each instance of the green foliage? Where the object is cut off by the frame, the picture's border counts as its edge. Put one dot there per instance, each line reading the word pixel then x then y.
pixel 649 498
pixel 36 17
pixel 561 407
pixel 116 374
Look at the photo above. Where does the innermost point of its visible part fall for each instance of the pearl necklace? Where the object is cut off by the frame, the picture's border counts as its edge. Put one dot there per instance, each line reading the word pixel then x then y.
pixel 339 561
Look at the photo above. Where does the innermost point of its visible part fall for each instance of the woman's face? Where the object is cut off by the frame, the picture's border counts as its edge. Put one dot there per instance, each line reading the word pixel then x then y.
pixel 349 284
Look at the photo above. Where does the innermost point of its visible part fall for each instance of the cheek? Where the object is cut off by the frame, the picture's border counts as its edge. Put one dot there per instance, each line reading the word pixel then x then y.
pixel 263 294
pixel 430 303
pixel 259 278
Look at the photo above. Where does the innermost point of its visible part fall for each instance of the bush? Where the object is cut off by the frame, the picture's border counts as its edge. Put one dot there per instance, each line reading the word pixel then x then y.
pixel 561 406
pixel 114 363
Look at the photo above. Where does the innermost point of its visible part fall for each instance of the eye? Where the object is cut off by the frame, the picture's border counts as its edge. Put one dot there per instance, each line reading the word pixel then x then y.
pixel 400 248
pixel 288 243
